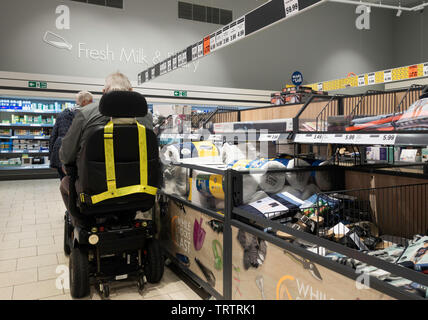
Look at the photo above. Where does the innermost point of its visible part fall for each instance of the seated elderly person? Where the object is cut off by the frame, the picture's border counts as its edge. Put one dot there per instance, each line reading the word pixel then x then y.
pixel 85 119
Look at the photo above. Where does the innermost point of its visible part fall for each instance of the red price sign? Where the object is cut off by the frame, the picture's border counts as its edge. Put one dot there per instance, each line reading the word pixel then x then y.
pixel 207 45
pixel 413 71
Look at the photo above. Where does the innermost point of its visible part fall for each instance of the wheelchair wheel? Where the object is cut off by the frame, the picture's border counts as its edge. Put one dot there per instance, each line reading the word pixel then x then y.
pixel 106 291
pixel 79 273
pixel 154 267
pixel 140 284
pixel 67 249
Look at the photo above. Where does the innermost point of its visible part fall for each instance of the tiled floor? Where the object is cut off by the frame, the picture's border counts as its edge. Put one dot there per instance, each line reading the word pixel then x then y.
pixel 32 262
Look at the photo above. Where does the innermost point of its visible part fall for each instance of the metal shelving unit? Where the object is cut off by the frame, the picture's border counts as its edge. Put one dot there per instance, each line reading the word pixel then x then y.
pixel 35 134
pixel 236 219
pixel 25 125
pixel 25 137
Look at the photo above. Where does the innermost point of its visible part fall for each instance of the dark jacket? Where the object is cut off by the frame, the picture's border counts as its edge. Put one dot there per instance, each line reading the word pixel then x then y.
pixel 62 124
pixel 85 119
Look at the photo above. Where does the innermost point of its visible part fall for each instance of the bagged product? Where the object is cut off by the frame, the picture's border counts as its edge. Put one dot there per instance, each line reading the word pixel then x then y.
pixel 249 184
pixel 176 179
pixel 270 182
pixel 231 153
pixel 298 180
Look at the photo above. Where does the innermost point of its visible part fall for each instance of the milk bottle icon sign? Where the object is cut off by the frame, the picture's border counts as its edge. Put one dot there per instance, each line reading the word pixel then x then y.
pixel 56 41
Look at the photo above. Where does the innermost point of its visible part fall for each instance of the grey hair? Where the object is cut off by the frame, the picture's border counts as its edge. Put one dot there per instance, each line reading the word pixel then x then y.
pixel 84 96
pixel 117 82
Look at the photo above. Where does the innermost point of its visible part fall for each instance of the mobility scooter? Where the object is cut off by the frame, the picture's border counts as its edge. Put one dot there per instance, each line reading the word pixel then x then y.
pixel 116 176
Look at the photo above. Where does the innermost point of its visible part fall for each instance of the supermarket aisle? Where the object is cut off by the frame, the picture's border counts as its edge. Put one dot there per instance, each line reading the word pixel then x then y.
pixel 31 248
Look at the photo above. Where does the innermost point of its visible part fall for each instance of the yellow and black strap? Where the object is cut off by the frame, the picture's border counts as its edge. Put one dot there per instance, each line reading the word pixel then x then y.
pixel 112 190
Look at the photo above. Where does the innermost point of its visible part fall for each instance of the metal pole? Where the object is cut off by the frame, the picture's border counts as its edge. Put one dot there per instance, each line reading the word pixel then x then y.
pixel 227 237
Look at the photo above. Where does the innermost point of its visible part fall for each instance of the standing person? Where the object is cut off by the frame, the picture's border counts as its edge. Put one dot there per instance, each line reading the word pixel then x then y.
pixel 62 124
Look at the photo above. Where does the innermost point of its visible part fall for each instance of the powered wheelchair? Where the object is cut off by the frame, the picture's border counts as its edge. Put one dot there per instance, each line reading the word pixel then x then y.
pixel 116 176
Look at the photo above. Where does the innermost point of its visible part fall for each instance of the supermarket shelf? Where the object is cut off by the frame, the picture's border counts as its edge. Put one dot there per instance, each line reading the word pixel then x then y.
pixel 386 139
pixel 24 152
pixel 19 125
pixel 27 167
pixel 29 112
pixel 254 135
pixel 26 137
pixel 27 172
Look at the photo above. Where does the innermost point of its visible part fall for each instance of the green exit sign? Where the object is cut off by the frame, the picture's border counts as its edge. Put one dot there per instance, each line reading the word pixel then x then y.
pixel 37 84
pixel 179 93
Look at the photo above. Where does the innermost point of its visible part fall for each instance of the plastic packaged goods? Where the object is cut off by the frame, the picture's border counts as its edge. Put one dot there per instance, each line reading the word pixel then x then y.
pixel 230 153
pixel 210 185
pixel 323 179
pixel 309 190
pixel 291 190
pixel 270 182
pixel 176 179
pixel 415 118
pixel 249 184
pixel 298 180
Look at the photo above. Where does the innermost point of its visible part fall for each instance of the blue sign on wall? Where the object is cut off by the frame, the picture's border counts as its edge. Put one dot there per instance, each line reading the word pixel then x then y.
pixel 297 78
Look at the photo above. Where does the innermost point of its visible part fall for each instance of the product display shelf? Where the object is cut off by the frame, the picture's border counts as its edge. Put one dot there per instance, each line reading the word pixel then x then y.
pixel 335 126
pixel 25 126
pixel 38 112
pixel 390 185
pixel 25 151
pixel 25 167
pixel 180 243
pixel 237 220
pixel 25 137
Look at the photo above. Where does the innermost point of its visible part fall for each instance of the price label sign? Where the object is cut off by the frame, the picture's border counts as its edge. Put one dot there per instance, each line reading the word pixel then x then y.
pixel 174 62
pixel 219 39
pixel 361 81
pixel 381 139
pixel 169 65
pixel 207 45
pixel 333 138
pixel 212 42
pixel 320 86
pixel 232 31
pixel 194 52
pixel 200 49
pixel 226 37
pixel 291 7
pixel 388 138
pixel 269 137
pixel 426 69
pixel 240 28
pixel 350 138
pixel 371 78
pixel 184 57
pixel 318 138
pixel 193 137
pixel 215 137
pixel 387 76
pixel 179 60
pixel 308 138
pixel 413 71
pixel 162 68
